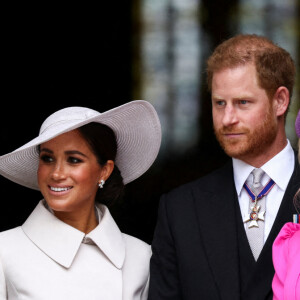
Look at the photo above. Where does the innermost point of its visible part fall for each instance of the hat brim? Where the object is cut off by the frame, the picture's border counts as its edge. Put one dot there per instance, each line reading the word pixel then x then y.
pixel 138 133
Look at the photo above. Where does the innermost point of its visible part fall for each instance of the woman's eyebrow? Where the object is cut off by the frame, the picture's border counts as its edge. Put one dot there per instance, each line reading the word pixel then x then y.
pixel 46 150
pixel 68 152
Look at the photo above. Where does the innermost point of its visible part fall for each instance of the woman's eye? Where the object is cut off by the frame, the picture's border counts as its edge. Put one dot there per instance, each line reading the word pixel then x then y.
pixel 74 160
pixel 46 158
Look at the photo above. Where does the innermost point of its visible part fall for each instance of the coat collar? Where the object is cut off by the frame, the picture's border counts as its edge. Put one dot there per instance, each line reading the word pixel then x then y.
pixel 61 242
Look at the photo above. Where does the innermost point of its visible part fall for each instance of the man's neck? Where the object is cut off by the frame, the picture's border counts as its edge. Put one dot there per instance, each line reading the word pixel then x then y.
pixel 259 160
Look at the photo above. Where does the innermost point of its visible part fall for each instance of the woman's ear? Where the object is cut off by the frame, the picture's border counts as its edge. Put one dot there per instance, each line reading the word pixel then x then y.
pixel 281 100
pixel 106 170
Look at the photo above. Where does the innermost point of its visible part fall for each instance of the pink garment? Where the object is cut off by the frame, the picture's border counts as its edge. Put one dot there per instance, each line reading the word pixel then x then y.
pixel 286 259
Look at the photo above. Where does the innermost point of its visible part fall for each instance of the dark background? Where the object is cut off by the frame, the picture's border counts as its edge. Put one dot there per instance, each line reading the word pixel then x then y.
pixel 58 56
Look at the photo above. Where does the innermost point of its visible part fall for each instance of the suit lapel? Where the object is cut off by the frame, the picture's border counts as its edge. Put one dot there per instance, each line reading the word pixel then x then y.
pixel 264 270
pixel 217 224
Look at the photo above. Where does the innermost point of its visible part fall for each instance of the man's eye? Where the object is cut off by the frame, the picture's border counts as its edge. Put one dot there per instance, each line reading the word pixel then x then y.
pixel 243 102
pixel 46 158
pixel 220 103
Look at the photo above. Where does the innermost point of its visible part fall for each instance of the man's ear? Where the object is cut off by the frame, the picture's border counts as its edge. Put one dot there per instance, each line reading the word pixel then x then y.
pixel 281 100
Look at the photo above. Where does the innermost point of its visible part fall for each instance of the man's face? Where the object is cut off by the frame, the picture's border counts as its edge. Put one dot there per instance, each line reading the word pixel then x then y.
pixel 244 120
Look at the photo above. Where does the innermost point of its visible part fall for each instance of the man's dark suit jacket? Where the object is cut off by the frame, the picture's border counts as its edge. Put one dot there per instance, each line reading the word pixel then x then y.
pixel 200 248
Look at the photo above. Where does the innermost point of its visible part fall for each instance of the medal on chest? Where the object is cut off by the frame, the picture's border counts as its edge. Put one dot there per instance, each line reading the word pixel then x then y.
pixel 255 213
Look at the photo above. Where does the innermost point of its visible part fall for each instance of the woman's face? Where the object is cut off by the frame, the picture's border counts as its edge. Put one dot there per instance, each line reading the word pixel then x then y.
pixel 68 173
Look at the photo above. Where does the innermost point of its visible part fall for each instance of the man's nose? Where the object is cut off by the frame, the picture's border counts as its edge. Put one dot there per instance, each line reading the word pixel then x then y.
pixel 230 116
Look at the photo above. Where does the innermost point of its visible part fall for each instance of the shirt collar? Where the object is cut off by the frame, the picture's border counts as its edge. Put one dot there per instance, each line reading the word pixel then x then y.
pixel 284 160
pixel 241 171
pixel 61 241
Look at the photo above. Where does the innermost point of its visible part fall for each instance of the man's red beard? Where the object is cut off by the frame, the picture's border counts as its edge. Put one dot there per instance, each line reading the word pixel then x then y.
pixel 252 142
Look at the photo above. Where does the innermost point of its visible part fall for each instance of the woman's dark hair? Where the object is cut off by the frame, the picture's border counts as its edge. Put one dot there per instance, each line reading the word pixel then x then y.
pixel 103 143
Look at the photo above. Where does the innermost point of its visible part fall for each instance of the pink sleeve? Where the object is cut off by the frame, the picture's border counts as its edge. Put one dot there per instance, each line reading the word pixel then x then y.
pixel 280 258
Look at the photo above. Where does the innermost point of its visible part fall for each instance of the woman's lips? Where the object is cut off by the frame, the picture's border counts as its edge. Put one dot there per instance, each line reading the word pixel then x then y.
pixel 57 190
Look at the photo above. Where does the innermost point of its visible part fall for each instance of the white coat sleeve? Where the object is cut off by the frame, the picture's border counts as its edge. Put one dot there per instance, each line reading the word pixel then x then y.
pixel 144 294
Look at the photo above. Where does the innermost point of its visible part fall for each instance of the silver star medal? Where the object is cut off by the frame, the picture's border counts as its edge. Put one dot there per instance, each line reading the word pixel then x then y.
pixel 254 216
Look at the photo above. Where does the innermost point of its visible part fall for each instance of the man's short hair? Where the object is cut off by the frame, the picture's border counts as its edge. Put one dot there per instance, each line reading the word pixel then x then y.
pixel 274 65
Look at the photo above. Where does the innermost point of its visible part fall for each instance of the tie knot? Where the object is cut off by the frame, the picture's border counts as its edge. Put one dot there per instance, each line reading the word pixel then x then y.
pixel 257 176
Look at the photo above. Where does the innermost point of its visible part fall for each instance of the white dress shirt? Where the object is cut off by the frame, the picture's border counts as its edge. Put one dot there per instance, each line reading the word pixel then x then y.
pixel 46 259
pixel 280 168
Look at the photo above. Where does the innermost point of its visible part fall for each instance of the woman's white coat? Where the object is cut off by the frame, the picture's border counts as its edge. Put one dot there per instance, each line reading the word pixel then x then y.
pixel 46 259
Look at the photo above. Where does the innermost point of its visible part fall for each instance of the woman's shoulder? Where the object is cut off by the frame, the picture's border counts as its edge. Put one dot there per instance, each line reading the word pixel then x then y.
pixel 10 233
pixel 133 242
pixel 288 237
pixel 294 240
pixel 10 238
pixel 137 251
pixel 288 231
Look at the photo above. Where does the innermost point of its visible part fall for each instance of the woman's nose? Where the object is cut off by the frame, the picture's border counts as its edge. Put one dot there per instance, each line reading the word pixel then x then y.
pixel 58 172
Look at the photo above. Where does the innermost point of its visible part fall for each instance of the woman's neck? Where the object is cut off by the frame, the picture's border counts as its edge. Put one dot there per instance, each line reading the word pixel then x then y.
pixel 83 220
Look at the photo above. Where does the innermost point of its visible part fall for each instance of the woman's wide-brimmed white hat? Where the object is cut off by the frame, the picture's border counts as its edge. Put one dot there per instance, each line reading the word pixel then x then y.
pixel 135 124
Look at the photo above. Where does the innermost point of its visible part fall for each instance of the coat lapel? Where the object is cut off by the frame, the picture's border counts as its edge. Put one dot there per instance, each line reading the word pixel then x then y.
pixel 217 224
